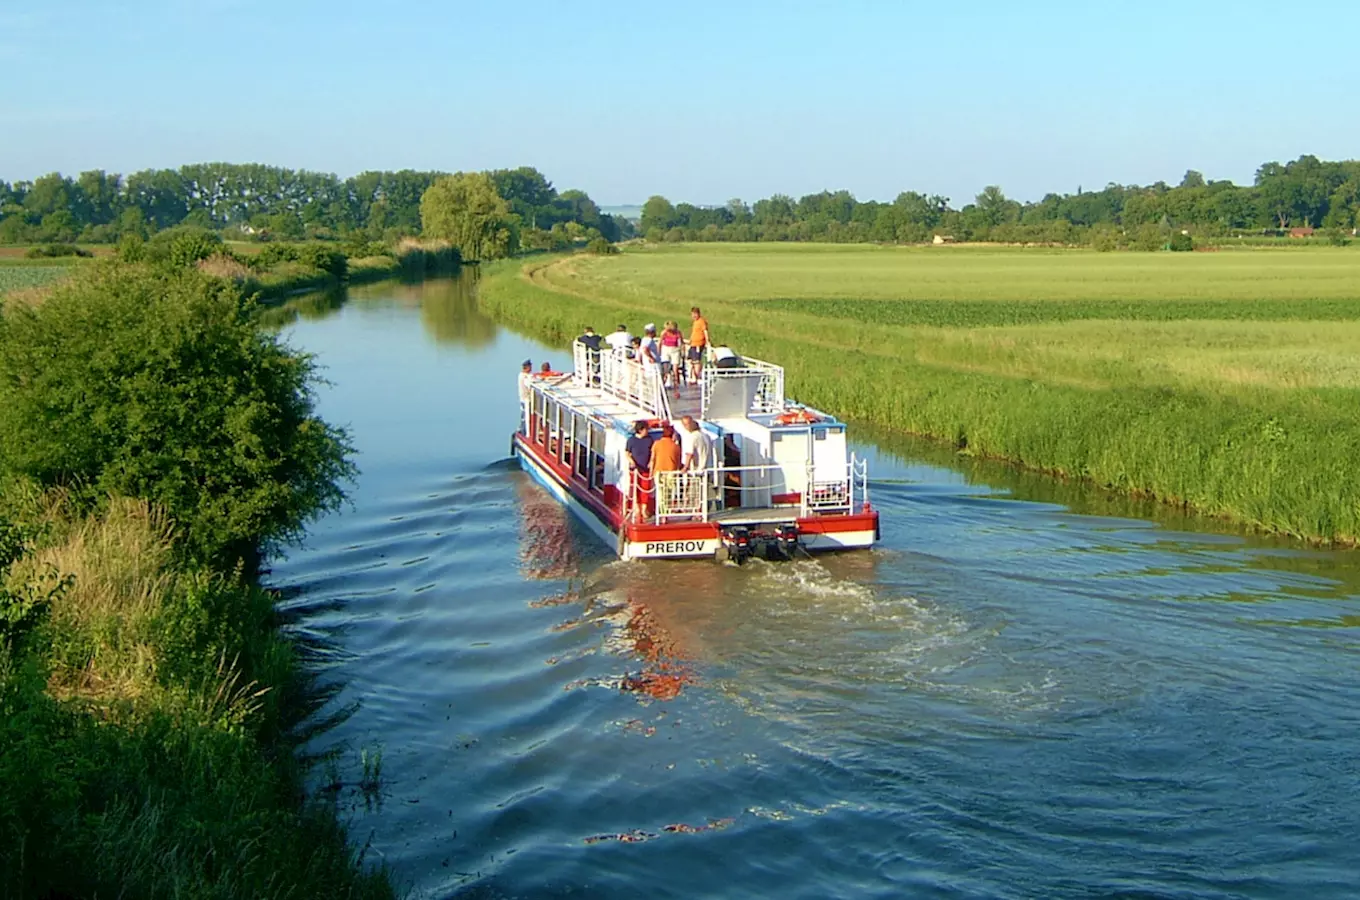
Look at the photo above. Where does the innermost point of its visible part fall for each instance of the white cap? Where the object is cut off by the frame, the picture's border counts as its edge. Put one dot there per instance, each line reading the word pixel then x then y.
pixel 650 326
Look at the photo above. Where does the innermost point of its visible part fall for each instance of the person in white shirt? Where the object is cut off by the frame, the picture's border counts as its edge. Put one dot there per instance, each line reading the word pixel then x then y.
pixel 620 340
pixel 526 374
pixel 696 453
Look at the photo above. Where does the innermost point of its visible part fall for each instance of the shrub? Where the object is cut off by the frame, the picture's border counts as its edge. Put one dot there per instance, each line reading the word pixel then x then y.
pixel 55 251
pixel 327 259
pixel 183 246
pixel 1337 237
pixel 157 384
pixel 1104 239
pixel 1181 242
pixel 600 247
pixel 131 248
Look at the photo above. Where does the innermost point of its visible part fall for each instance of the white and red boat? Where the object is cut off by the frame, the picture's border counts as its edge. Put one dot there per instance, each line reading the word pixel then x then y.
pixel 783 480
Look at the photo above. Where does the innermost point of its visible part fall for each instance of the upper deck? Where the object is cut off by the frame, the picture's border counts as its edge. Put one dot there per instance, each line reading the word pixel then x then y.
pixel 626 389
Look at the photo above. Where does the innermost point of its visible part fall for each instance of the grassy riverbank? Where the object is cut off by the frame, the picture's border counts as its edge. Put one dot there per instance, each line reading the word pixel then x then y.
pixel 1223 382
pixel 155 443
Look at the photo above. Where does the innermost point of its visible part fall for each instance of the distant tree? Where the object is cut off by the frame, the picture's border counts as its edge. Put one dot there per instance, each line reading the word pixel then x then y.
pixel 658 213
pixel 1192 179
pixel 465 210
pixel 994 208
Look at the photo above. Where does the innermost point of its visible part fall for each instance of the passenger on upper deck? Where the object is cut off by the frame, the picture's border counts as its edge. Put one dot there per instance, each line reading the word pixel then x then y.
pixel 726 358
pixel 672 354
pixel 590 339
pixel 698 342
pixel 620 340
pixel 650 349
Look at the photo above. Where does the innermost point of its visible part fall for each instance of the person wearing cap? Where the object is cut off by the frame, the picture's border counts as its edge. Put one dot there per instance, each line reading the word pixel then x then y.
pixel 526 374
pixel 650 350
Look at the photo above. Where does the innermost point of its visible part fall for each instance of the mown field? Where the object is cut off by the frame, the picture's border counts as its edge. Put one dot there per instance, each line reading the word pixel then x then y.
pixel 1225 382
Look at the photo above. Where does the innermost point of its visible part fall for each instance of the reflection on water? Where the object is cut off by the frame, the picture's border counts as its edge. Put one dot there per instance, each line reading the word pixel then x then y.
pixel 1027 691
pixel 447 307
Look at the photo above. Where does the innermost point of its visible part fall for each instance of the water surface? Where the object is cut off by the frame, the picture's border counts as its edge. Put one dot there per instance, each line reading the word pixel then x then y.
pixel 1025 691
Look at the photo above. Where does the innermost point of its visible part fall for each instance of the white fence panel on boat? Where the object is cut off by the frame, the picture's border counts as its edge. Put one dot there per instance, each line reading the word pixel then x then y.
pixel 682 495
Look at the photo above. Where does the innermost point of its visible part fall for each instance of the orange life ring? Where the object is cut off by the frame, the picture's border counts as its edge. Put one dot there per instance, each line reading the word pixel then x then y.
pixel 797 417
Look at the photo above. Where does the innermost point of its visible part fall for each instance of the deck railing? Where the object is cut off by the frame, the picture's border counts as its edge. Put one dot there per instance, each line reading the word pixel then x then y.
pixel 695 495
pixel 617 375
pixel 769 395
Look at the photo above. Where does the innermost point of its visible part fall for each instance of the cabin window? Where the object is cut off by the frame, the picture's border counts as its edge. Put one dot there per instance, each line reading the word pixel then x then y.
pixel 580 451
pixel 596 457
pixel 819 434
pixel 540 419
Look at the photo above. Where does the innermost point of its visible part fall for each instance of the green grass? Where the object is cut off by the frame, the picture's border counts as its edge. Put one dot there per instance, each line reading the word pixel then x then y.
pixel 1226 383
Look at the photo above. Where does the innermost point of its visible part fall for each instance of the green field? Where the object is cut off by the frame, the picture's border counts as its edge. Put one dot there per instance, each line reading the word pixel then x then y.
pixel 1226 382
pixel 22 275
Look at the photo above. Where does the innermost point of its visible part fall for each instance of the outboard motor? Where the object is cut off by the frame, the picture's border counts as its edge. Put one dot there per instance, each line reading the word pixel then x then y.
pixel 786 539
pixel 736 544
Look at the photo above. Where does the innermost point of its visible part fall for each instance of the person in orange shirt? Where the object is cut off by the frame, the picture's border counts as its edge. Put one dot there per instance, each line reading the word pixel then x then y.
pixel 698 342
pixel 665 458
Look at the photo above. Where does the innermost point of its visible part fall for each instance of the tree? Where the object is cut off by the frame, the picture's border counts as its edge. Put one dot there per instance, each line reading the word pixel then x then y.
pixel 994 208
pixel 657 213
pixel 465 210
pixel 1192 179
pixel 157 383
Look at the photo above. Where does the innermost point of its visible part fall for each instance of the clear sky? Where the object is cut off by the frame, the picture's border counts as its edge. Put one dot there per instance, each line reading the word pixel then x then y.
pixel 699 101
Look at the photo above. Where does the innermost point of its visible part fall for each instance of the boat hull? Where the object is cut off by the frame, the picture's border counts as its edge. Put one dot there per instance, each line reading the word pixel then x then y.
pixel 682 540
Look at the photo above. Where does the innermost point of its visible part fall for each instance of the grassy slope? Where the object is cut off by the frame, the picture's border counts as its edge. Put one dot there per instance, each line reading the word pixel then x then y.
pixel 1159 374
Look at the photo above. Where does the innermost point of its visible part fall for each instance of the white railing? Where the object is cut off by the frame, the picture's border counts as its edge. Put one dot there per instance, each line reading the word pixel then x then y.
pixel 769 395
pixel 682 495
pixel 694 495
pixel 838 494
pixel 615 374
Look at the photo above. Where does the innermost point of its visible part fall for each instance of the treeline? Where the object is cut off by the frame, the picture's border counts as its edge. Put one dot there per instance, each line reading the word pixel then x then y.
pixel 1305 193
pixel 268 202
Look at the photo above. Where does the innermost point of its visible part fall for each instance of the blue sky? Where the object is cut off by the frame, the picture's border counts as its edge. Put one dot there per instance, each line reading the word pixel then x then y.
pixel 699 101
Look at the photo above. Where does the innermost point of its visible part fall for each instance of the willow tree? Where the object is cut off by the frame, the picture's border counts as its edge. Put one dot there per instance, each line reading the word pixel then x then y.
pixel 466 210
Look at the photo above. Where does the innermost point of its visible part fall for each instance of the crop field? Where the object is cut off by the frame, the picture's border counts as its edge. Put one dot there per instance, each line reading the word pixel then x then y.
pixel 1225 382
pixel 24 275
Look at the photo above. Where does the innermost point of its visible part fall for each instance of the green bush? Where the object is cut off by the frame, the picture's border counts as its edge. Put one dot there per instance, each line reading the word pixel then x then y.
pixel 600 247
pixel 55 251
pixel 183 246
pixel 1181 242
pixel 327 259
pixel 155 383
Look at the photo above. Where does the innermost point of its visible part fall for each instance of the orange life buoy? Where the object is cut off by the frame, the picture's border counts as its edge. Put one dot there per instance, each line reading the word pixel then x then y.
pixel 797 417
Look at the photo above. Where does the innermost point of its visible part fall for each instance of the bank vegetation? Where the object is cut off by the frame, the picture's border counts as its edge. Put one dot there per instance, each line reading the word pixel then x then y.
pixel 156 444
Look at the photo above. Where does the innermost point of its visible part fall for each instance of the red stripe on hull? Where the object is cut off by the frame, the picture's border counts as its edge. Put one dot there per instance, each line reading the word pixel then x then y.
pixel 565 476
pixel 867 521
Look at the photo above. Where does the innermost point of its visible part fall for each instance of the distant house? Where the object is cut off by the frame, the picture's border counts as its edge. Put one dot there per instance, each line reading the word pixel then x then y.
pixel 943 239
pixel 1301 232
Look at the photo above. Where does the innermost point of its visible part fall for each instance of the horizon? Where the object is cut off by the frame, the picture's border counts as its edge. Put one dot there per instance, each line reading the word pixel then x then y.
pixel 872 98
